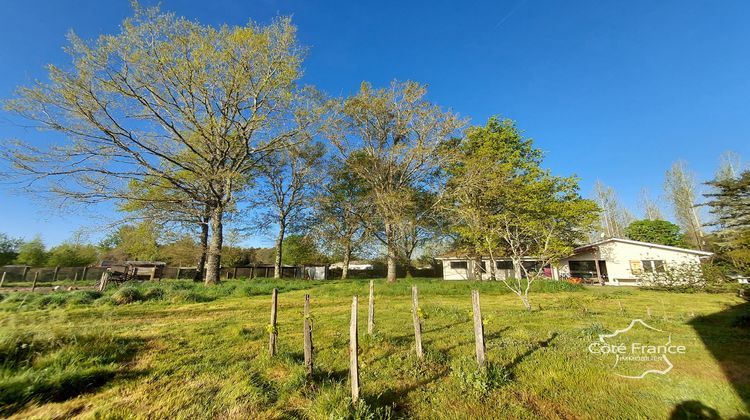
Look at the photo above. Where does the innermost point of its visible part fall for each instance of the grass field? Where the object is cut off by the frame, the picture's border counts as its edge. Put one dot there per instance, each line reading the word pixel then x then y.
pixel 174 349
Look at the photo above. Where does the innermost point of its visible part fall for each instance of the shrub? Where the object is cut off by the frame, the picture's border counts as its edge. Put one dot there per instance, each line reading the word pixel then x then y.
pixel 157 293
pixel 127 295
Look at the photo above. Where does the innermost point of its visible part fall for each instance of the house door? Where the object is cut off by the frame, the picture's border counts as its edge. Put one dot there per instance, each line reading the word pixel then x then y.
pixel 603 269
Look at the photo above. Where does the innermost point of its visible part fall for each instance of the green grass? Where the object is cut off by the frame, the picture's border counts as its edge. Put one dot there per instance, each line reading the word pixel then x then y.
pixel 177 349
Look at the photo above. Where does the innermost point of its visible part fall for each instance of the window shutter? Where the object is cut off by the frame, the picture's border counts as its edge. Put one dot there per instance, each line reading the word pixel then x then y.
pixel 636 267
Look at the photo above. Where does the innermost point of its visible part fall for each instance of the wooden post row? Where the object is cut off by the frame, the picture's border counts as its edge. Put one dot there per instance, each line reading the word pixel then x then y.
pixel 478 327
pixel 36 277
pixel 272 333
pixel 353 347
pixel 307 333
pixel 371 310
pixel 417 322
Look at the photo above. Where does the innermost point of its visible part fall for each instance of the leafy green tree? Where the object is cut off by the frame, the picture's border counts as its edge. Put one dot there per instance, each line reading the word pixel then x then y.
pixel 167 98
pixel 301 249
pixel 72 255
pixel 679 186
pixel 8 248
pixel 339 216
pixel 32 253
pixel 655 231
pixel 505 203
pixel 391 140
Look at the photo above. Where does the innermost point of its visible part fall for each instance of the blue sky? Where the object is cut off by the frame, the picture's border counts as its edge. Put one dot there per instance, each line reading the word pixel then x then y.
pixel 611 90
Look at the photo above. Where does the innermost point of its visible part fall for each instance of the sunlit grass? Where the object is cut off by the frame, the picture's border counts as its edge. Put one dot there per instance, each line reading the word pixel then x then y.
pixel 178 349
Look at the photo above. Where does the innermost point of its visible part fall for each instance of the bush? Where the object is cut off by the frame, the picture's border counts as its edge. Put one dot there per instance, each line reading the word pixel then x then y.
pixel 157 293
pixel 127 295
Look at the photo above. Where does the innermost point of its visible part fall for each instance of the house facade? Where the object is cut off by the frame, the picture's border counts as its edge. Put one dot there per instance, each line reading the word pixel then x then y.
pixel 614 261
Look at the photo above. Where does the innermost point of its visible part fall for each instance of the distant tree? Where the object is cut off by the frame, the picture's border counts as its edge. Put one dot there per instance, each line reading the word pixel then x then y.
pixel 8 248
pixel 172 99
pixel 613 217
pixel 300 250
pixel 140 242
pixel 32 253
pixel 340 213
pixel 391 140
pixel 679 185
pixel 649 206
pixel 288 182
pixel 70 254
pixel 655 231
pixel 180 250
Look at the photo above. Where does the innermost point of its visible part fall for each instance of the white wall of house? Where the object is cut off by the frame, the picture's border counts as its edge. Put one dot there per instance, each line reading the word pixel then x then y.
pixel 624 257
pixel 453 269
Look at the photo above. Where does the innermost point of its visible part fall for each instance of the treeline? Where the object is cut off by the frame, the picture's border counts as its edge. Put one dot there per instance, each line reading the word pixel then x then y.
pixel 144 242
pixel 195 129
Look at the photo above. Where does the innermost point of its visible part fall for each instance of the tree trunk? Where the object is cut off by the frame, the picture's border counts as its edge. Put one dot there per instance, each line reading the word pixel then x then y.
pixel 279 249
pixel 478 267
pixel 526 302
pixel 392 255
pixel 213 264
pixel 198 276
pixel 517 269
pixel 347 257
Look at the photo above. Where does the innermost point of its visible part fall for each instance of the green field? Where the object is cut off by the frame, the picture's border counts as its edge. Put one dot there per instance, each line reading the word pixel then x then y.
pixel 174 349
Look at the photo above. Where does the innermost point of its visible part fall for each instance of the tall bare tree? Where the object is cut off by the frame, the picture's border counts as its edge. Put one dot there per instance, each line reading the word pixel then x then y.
pixel 614 217
pixel 169 98
pixel 679 186
pixel 649 206
pixel 390 138
pixel 288 182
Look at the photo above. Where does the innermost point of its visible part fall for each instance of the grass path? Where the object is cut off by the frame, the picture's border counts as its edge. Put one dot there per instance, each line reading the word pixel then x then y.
pixel 187 356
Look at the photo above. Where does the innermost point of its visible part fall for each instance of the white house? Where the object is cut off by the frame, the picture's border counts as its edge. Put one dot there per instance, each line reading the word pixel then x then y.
pixel 354 265
pixel 616 261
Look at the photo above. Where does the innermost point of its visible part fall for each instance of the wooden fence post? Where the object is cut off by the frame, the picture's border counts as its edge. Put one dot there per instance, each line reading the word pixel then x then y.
pixel 2 279
pixel 83 274
pixel 307 333
pixel 272 333
pixel 104 280
pixel 478 327
pixel 25 272
pixel 177 277
pixel 36 277
pixel 234 274
pixel 417 321
pixel 371 310
pixel 353 357
pixel 57 270
pixel 75 276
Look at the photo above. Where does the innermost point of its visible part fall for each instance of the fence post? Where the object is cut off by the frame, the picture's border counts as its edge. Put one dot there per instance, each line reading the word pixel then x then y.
pixel 25 272
pixel 417 322
pixel 308 344
pixel 57 270
pixel 83 274
pixel 75 276
pixel 104 280
pixel 36 277
pixel 371 310
pixel 177 277
pixel 234 275
pixel 272 333
pixel 2 279
pixel 478 327
pixel 353 347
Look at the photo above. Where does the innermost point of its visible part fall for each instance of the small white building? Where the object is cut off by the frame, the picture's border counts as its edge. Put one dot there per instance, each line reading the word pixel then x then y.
pixel 614 261
pixel 354 265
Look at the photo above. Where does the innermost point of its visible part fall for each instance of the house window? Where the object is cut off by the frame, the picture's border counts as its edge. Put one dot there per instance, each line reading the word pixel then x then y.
pixel 483 265
pixel 457 265
pixel 504 265
pixel 653 266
